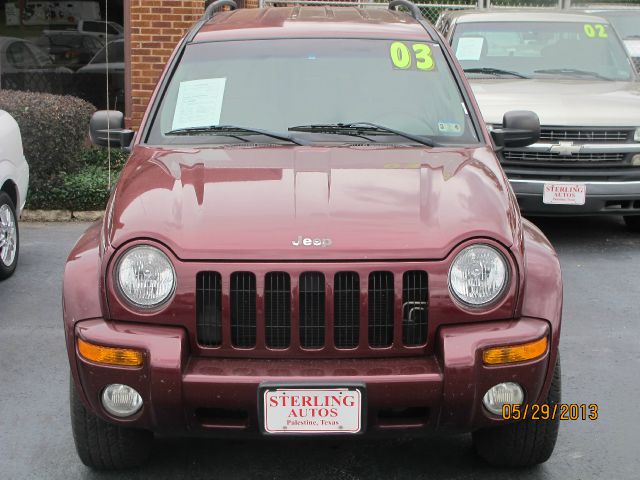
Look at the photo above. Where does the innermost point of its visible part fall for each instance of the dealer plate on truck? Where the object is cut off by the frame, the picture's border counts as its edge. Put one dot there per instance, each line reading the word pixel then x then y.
pixel 312 410
pixel 564 193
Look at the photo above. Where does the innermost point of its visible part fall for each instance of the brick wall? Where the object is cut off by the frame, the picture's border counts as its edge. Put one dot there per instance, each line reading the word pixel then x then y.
pixel 155 28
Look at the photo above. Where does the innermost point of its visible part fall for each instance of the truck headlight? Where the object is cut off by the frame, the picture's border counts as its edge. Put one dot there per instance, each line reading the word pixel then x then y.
pixel 145 276
pixel 636 136
pixel 478 275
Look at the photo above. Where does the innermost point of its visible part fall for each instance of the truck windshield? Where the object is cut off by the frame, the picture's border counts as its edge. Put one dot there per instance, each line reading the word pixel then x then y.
pixel 278 85
pixel 627 23
pixel 583 51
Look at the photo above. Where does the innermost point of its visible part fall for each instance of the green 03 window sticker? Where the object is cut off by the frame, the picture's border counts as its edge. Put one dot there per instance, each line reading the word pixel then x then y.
pixel 411 56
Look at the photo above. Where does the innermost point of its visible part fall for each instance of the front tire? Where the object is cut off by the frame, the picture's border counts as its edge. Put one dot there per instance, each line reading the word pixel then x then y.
pixel 9 237
pixel 633 223
pixel 525 443
pixel 105 446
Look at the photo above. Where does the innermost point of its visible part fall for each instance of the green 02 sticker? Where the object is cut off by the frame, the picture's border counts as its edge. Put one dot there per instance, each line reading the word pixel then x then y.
pixel 413 56
pixel 596 30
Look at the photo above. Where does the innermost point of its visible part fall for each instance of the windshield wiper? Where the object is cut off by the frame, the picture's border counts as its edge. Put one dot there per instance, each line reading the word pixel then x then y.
pixel 631 37
pixel 573 72
pixel 494 71
pixel 233 131
pixel 359 129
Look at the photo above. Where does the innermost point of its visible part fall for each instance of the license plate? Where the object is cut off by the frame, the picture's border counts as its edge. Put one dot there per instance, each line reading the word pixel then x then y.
pixel 564 193
pixel 312 410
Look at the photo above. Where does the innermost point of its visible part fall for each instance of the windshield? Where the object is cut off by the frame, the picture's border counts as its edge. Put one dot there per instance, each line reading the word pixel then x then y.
pixel 585 51
pixel 279 84
pixel 627 24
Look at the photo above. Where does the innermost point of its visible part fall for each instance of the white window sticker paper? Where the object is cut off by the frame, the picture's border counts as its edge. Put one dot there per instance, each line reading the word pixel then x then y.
pixel 199 103
pixel 469 48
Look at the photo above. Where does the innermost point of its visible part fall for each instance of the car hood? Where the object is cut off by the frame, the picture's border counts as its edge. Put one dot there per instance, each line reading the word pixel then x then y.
pixel 561 102
pixel 357 202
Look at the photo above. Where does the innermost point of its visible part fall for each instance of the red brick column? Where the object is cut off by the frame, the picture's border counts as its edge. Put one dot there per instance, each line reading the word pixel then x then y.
pixel 154 27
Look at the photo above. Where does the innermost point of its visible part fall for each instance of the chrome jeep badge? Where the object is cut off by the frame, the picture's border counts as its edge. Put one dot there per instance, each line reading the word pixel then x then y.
pixel 311 242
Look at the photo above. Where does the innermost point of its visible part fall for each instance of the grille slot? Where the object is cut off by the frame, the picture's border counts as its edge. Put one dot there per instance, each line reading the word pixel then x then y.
pixel 381 293
pixel 414 308
pixel 312 309
pixel 277 309
pixel 243 309
pixel 346 309
pixel 209 308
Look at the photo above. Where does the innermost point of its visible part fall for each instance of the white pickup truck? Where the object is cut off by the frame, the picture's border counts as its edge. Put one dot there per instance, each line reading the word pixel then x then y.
pixel 14 181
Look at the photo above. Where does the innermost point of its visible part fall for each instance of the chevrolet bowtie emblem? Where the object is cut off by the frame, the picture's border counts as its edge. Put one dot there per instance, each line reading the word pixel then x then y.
pixel 565 149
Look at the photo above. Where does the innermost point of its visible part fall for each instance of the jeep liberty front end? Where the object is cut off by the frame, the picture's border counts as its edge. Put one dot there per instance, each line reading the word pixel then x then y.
pixel 312 236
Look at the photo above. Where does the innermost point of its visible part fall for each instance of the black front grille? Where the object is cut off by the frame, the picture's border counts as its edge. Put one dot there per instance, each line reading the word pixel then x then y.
pixel 381 301
pixel 346 309
pixel 414 308
pixel 311 308
pixel 209 308
pixel 586 135
pixel 277 309
pixel 521 156
pixel 243 309
pixel 363 317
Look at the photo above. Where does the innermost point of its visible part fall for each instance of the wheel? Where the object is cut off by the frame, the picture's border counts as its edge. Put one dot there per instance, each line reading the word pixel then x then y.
pixel 9 237
pixel 525 443
pixel 105 446
pixel 633 223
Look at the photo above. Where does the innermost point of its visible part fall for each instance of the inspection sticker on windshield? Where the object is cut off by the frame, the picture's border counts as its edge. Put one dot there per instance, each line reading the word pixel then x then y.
pixel 199 103
pixel 564 193
pixel 450 128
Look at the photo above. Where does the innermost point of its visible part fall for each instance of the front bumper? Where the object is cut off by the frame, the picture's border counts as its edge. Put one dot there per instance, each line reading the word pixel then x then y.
pixel 603 198
pixel 186 394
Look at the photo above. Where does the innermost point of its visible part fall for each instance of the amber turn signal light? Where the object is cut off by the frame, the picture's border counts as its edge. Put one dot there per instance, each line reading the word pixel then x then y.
pixel 126 357
pixel 515 353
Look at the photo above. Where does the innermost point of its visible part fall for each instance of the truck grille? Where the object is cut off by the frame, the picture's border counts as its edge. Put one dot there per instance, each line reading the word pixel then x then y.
pixel 586 135
pixel 590 158
pixel 312 311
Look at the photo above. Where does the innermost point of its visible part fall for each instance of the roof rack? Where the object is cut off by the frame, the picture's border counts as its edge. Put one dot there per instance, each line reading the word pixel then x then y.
pixel 211 8
pixel 412 7
pixel 417 14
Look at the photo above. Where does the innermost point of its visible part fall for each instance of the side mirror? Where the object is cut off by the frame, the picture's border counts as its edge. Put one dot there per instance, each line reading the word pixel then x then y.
pixel 107 129
pixel 520 128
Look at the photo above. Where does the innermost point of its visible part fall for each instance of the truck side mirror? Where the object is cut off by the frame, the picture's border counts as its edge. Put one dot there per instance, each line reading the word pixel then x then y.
pixel 520 128
pixel 107 129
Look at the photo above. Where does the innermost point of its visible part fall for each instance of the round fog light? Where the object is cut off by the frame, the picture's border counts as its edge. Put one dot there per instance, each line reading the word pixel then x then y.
pixel 635 160
pixel 121 400
pixel 507 393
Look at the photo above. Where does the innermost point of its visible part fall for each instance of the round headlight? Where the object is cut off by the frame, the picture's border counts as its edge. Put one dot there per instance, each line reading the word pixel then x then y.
pixel 636 136
pixel 478 275
pixel 145 276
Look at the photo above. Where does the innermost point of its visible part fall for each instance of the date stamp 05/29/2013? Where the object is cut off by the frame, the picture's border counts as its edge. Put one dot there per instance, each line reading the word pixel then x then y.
pixel 554 411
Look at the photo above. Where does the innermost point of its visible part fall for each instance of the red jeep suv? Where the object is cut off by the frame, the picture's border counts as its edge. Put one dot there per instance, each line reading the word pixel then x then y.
pixel 312 236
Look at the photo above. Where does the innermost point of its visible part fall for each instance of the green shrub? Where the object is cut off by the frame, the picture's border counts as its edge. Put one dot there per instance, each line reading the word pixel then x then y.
pixel 99 157
pixel 54 132
pixel 85 190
